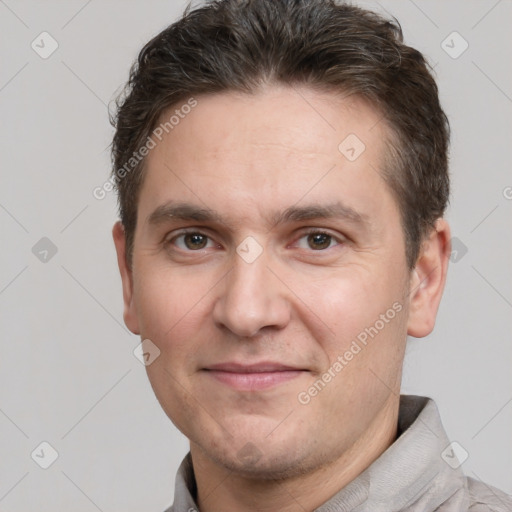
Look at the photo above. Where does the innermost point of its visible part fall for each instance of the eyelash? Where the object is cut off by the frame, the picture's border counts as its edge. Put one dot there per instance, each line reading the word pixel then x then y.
pixel 314 231
pixel 185 233
pixel 308 232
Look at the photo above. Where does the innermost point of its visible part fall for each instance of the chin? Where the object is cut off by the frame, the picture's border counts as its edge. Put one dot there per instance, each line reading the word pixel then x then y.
pixel 254 464
pixel 262 459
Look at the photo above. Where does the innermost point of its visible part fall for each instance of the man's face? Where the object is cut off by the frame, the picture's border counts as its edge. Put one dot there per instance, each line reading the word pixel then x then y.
pixel 295 258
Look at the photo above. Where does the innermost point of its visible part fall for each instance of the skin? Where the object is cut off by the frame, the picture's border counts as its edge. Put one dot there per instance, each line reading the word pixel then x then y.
pixel 301 302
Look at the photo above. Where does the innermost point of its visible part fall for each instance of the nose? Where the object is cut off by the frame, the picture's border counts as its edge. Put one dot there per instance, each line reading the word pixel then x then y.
pixel 251 298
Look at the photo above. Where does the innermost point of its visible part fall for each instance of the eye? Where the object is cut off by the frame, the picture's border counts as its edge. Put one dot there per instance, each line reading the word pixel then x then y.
pixel 192 241
pixel 317 241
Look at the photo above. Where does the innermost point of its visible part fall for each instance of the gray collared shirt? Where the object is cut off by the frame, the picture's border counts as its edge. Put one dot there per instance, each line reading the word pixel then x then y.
pixel 417 473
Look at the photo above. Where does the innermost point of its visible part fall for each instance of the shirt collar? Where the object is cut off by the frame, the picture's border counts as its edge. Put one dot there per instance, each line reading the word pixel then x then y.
pixel 410 475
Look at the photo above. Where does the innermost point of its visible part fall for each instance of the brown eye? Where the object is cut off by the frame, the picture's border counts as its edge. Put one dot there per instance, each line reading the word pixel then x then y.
pixel 192 241
pixel 195 241
pixel 319 241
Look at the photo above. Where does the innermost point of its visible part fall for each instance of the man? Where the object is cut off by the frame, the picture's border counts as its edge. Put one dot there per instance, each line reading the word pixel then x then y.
pixel 282 176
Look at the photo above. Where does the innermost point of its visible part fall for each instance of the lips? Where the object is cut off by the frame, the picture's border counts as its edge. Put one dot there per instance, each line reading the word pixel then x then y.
pixel 251 368
pixel 253 377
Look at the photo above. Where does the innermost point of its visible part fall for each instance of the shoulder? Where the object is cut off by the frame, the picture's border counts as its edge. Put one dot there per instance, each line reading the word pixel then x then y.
pixel 486 498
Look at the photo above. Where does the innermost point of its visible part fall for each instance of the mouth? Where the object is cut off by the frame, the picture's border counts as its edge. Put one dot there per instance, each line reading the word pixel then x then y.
pixel 253 377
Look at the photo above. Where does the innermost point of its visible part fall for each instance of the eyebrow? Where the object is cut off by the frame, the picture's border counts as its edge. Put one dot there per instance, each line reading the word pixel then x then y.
pixel 311 212
pixel 183 211
pixel 189 212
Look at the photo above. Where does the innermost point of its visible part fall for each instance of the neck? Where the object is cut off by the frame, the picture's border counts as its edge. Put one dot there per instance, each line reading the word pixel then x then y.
pixel 219 489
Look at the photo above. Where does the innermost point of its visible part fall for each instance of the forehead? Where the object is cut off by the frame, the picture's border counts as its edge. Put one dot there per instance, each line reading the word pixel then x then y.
pixel 269 150
pixel 297 118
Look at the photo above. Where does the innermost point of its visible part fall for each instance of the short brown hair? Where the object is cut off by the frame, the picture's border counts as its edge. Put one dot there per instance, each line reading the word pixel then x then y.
pixel 238 45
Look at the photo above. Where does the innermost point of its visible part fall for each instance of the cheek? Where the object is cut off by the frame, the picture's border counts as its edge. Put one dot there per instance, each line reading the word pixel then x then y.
pixel 355 305
pixel 364 348
pixel 168 305
pixel 170 308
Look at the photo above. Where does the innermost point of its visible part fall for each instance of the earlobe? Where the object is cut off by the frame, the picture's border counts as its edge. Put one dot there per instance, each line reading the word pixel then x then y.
pixel 428 280
pixel 130 313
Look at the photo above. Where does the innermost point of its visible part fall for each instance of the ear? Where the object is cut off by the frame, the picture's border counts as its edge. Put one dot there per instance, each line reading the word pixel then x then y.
pixel 428 280
pixel 130 312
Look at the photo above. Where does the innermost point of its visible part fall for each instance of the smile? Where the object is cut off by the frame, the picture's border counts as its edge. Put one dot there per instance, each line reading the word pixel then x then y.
pixel 253 377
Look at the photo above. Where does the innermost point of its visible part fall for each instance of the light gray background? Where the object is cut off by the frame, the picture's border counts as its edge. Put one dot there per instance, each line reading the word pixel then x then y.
pixel 68 375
